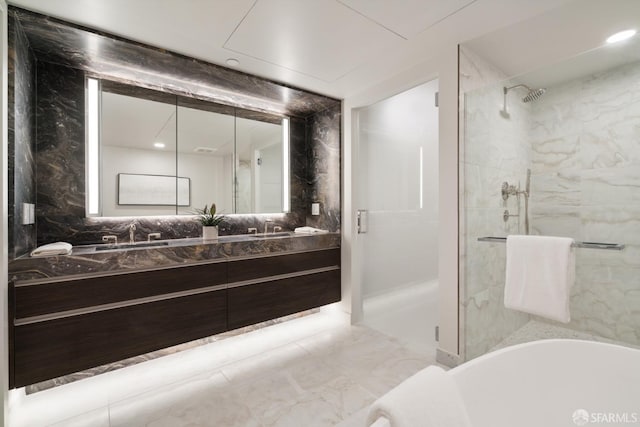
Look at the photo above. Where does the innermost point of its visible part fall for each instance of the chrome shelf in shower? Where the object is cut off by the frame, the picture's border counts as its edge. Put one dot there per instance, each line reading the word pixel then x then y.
pixel 588 245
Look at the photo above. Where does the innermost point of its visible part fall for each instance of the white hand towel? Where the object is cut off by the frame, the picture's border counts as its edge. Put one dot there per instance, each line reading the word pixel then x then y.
pixel 309 230
pixel 539 276
pixel 58 248
pixel 429 398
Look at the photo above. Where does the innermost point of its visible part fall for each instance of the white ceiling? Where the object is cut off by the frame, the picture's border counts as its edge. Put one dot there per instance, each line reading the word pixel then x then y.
pixel 137 123
pixel 334 47
pixel 563 44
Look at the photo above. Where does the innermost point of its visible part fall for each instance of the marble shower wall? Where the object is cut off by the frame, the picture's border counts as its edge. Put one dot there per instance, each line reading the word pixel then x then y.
pixel 581 141
pixel 585 137
pixel 21 136
pixel 493 149
pixel 64 61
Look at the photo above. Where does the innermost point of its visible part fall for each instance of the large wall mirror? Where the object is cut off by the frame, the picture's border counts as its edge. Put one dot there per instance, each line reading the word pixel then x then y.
pixel 153 153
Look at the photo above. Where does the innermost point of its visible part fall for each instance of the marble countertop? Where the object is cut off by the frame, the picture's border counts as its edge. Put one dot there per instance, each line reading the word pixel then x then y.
pixel 93 259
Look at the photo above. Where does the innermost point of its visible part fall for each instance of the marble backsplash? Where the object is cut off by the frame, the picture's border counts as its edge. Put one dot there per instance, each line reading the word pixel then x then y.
pixel 314 125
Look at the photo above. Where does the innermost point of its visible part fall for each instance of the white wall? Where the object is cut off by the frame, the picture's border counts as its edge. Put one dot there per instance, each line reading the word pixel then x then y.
pixel 208 174
pixel 270 183
pixel 4 251
pixel 211 181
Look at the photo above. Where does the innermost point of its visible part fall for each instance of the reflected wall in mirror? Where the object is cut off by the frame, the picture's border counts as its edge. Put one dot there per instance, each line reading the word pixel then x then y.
pixel 259 166
pixel 205 153
pixel 137 137
pixel 219 154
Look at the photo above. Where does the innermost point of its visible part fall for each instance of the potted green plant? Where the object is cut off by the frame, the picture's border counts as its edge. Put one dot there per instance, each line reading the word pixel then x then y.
pixel 210 221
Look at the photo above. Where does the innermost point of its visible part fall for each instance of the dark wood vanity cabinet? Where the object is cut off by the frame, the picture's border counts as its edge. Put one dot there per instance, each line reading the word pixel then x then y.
pixel 62 295
pixel 56 347
pixel 266 288
pixel 268 300
pixel 66 325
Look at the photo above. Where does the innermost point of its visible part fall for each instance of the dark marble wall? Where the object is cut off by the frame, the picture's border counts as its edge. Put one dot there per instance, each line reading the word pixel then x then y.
pixel 21 137
pixel 63 61
pixel 60 141
pixel 324 156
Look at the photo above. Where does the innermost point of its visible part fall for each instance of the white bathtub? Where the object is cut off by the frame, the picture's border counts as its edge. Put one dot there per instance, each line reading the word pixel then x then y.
pixel 546 383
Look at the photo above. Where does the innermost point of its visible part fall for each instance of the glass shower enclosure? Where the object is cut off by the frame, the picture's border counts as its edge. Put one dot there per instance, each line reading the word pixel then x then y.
pixel 579 143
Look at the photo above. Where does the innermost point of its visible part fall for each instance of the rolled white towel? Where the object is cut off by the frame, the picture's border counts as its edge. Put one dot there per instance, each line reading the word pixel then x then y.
pixel 309 230
pixel 429 398
pixel 57 248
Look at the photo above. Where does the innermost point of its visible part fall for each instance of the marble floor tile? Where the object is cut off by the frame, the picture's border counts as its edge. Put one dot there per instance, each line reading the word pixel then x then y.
pixel 358 419
pixel 337 401
pixel 198 402
pixel 310 373
pixel 255 366
pixel 97 418
pixel 50 406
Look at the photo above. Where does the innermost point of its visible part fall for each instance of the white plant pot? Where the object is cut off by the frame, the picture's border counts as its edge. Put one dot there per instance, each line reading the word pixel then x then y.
pixel 210 232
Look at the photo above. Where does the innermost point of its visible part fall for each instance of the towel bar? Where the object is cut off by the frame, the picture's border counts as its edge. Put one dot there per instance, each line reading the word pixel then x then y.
pixel 588 245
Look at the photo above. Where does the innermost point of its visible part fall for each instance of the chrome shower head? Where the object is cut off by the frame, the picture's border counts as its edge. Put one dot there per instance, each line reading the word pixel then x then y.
pixel 534 94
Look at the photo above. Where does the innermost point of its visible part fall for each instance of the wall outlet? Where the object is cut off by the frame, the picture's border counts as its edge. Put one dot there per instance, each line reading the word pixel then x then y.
pixel 28 213
pixel 315 208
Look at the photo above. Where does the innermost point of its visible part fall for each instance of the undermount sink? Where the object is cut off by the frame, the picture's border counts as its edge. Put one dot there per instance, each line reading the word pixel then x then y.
pixel 107 247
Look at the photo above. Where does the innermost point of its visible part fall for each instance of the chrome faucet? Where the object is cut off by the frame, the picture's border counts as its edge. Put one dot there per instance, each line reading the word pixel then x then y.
pixel 132 233
pixel 266 225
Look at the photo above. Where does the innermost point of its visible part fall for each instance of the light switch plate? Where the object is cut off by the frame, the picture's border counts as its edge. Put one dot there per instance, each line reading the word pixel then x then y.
pixel 315 208
pixel 28 213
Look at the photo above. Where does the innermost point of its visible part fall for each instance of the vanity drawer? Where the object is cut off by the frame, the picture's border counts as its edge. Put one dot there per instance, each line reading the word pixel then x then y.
pixel 35 299
pixel 255 268
pixel 258 302
pixel 48 349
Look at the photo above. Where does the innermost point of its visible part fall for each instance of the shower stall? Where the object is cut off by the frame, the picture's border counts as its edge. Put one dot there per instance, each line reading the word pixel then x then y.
pixel 559 158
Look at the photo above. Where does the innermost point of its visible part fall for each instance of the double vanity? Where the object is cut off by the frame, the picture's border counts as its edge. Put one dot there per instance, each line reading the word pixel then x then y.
pixel 93 307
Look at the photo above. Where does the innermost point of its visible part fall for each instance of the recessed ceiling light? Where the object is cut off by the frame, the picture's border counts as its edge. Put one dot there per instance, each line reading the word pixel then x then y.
pixel 622 35
pixel 158 145
pixel 233 62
